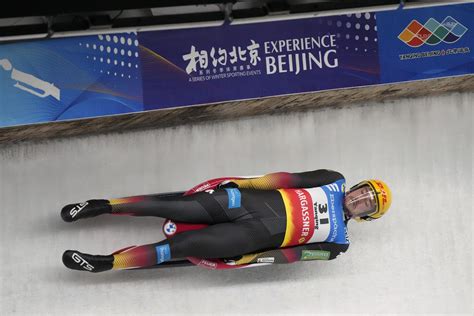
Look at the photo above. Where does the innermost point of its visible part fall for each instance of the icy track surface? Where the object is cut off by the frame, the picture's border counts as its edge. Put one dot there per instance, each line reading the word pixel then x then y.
pixel 417 259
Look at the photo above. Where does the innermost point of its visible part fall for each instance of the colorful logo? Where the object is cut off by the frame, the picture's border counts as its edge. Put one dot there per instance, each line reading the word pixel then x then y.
pixel 315 255
pixel 170 228
pixel 432 32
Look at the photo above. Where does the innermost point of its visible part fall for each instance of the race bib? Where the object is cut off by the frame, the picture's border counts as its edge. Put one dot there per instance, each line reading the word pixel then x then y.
pixel 315 215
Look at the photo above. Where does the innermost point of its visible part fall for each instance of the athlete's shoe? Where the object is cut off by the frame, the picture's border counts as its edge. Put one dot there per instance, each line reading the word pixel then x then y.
pixel 91 208
pixel 84 262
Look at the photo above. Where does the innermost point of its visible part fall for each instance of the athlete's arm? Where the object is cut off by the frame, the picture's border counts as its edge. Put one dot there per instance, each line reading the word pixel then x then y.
pixel 286 180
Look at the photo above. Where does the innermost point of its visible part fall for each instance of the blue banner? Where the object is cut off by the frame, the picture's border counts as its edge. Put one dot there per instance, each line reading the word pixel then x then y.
pixel 54 80
pixel 196 66
pixel 92 76
pixel 426 43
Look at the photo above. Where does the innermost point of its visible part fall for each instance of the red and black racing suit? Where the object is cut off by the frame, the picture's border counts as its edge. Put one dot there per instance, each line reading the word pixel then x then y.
pixel 257 225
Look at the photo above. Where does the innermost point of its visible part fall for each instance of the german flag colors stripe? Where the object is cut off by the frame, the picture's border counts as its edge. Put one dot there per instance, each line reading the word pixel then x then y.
pixel 300 217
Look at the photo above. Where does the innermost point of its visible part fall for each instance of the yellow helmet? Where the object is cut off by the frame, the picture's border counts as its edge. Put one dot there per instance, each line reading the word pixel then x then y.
pixel 383 198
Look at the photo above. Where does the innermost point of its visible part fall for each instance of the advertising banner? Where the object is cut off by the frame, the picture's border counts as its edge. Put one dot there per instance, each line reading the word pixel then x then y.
pixel 91 76
pixel 257 60
pixel 426 43
pixel 54 80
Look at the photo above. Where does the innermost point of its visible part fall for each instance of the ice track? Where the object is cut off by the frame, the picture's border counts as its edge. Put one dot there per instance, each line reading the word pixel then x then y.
pixel 417 259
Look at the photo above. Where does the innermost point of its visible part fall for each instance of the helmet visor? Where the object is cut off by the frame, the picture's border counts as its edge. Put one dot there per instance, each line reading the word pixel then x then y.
pixel 361 201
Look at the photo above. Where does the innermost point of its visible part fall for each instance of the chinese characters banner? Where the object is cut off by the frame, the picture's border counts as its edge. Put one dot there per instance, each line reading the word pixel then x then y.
pixel 256 60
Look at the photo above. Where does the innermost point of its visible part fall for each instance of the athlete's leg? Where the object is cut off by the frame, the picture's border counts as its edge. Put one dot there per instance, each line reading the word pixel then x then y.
pixel 201 207
pixel 216 241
